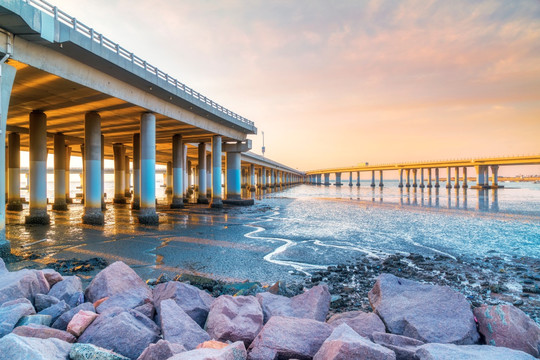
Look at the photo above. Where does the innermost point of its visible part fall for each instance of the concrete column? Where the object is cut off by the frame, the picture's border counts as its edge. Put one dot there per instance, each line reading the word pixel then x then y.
pixel 252 177
pixel 209 176
pixel 186 173
pixel 234 168
pixel 456 181
pixel 177 201
pixel 69 200
pixel 82 175
pixel 486 176
pixel 338 179
pixel 449 177
pixel 437 178
pixel 14 173
pixel 408 171
pixel 127 177
pixel 119 174
pixel 38 169
pixel 59 173
pixel 495 176
pixel 429 185
pixel 326 179
pixel 319 179
pixel 350 178
pixel 148 213
pixel 415 184
pixel 358 178
pixel 136 200
pixel 381 178
pixel 400 178
pixel 422 178
pixel 272 178
pixel 202 199
pixel 168 178
pixel 479 176
pixel 92 160
pixel 216 202
pixel 263 177
pixel 465 178
pixel 189 190
pixel 103 205
pixel 372 178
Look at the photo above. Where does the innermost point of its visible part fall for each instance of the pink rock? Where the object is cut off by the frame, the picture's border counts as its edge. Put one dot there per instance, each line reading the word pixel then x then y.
pixel 43 332
pixel 468 352
pixel 177 327
pixel 404 347
pixel 147 309
pixel 212 344
pixel 233 319
pixel 365 324
pixel 235 351
pixel 80 322
pixel 289 337
pixel 161 350
pixel 52 276
pixel 508 326
pixel 20 284
pixel 44 286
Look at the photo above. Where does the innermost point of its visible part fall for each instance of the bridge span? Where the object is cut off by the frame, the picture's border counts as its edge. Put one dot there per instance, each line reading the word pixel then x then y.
pixel 427 174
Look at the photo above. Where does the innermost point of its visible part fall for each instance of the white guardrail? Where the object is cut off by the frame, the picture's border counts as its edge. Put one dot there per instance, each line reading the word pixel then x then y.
pixel 87 31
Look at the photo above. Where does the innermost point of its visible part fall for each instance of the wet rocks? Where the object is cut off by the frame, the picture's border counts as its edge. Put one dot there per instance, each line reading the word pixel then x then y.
pixel 163 349
pixel 43 332
pixel 177 327
pixel 507 326
pixel 63 321
pixel 80 322
pixel 11 312
pixel 365 324
pixel 15 347
pixel 428 313
pixel 89 351
pixel 234 351
pixel 69 290
pixel 468 352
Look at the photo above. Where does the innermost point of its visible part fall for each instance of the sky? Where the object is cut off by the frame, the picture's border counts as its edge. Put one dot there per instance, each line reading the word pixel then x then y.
pixel 346 82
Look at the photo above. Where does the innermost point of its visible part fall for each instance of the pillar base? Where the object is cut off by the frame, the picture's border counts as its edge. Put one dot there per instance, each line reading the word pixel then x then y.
pixel 14 206
pixel 93 217
pixel 69 200
pixel 252 188
pixel 149 217
pixel 429 186
pixel 216 203
pixel 60 206
pixel 119 200
pixel 350 184
pixel 203 200
pixel 239 202
pixel 135 205
pixel 456 186
pixel 177 203
pixel 422 186
pixel 372 185
pixel 408 185
pixel 5 248
pixel 103 206
pixel 168 191
pixel 38 218
pixel 400 185
pixel 465 186
pixel 127 194
pixel 359 185
pixel 448 186
pixel 381 185
pixel 437 185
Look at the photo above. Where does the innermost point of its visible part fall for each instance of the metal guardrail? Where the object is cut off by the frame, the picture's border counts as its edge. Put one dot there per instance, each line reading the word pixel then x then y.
pixel 90 33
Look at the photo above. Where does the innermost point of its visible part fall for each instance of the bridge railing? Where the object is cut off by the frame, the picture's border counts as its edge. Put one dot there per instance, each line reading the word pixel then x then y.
pixel 89 32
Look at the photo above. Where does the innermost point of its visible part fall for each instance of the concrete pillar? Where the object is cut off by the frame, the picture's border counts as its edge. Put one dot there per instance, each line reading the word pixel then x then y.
pixel 326 179
pixel 119 174
pixel 136 200
pixel 479 176
pixel 263 177
pixel 189 190
pixel 429 185
pixel 437 178
pixel 59 173
pixel 465 178
pixel 319 179
pixel 400 178
pixel 92 160
pixel 177 201
pixel 456 181
pixel 408 184
pixel 415 177
pixel 252 177
pixel 82 175
pixel 202 199
pixel 372 178
pixel 127 177
pixel 38 169
pixel 216 202
pixel 14 173
pixel 103 205
pixel 209 176
pixel 358 178
pixel 148 213
pixel 272 178
pixel 338 179
pixel 495 176
pixel 449 177
pixel 186 173
pixel 422 179
pixel 234 168
pixel 69 200
pixel 350 178
pixel 486 176
pixel 381 178
pixel 168 178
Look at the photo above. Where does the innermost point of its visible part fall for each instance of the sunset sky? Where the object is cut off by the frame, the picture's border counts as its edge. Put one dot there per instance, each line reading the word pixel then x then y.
pixel 343 82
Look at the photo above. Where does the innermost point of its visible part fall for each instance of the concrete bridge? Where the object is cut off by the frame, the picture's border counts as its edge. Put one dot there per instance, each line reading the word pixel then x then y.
pixel 67 88
pixel 426 174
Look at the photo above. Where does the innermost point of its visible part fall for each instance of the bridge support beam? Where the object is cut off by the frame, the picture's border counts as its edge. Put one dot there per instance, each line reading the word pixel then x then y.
pixel 127 177
pixel 147 214
pixel 400 178
pixel 136 200
pixel 189 189
pixel 326 179
pixel 202 199
pixel 209 175
pixel 119 173
pixel 437 185
pixel 102 191
pixel 449 177
pixel 372 178
pixel 252 177
pixel 456 180
pixel 350 178
pixel 14 173
pixel 381 184
pixel 358 178
pixel 264 177
pixel 429 185
pixel 177 201
pixel 465 185
pixel 338 179
pixel 234 168
pixel 415 184
pixel 92 165
pixel 216 202
pixel 422 178
pixel 495 176
pixel 408 184
pixel 69 200
pixel 59 173
pixel 38 169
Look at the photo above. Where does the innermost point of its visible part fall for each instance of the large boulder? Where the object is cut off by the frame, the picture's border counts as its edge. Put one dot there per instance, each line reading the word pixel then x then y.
pixel 80 322
pixel 238 318
pixel 43 332
pixel 63 321
pixel 11 312
pixel 69 290
pixel 19 284
pixel 43 301
pixel 126 332
pixel 92 352
pixel 15 347
pixel 404 347
pixel 121 285
pixel 289 337
pixel 345 343
pixel 235 351
pixel 468 352
pixel 44 286
pixel 52 276
pixel 365 324
pixel 177 327
pixel 56 310
pixel 312 304
pixel 163 349
pixel 196 303
pixel 429 313
pixel 508 326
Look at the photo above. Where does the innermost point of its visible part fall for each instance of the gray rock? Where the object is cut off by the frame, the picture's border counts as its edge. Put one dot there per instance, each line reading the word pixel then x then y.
pixel 19 284
pixel 34 319
pixel 56 310
pixel 468 352
pixel 147 310
pixel 196 303
pixel 43 332
pixel 177 327
pixel 238 318
pixel 52 276
pixel 235 351
pixel 126 332
pixel 69 290
pixel 43 301
pixel 365 324
pixel 428 313
pixel 508 326
pixel 62 322
pixel 44 286
pixel 289 337
pixel 404 347
pixel 345 343
pixel 91 352
pixel 11 312
pixel 14 347
pixel 163 349
pixel 3 268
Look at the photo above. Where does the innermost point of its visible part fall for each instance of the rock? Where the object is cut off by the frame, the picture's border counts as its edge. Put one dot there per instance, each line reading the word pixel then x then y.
pixel 468 352
pixel 177 327
pixel 123 287
pixel 43 332
pixel 43 301
pixel 91 352
pixel 11 312
pixel 126 332
pixel 161 350
pixel 233 319
pixel 52 276
pixel 63 321
pixel 235 351
pixel 68 290
pixel 147 310
pixel 196 303
pixel 508 326
pixel 289 337
pixel 80 322
pixel 365 324
pixel 345 343
pixel 3 268
pixel 56 310
pixel 34 319
pixel 44 286
pixel 212 344
pixel 15 347
pixel 312 304
pixel 429 313
pixel 404 347
pixel 19 284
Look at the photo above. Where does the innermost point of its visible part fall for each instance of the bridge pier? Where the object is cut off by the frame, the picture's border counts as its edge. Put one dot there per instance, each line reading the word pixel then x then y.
pixel 358 178
pixel 119 173
pixel 177 201
pixel 216 202
pixel 136 199
pixel 252 177
pixel 456 181
pixel 429 185
pixel 69 200
pixel 465 186
pixel 234 168
pixel 168 178
pixel 102 191
pixel 381 178
pixel 93 215
pixel 326 179
pixel 147 213
pixel 400 178
pixel 408 184
pixel 448 178
pixel 202 199
pixel 264 178
pixel 14 173
pixel 209 175
pixel 319 179
pixel 422 178
pixel 415 184
pixel 338 179
pixel 495 176
pixel 127 178
pixel 350 178
pixel 437 184
pixel 59 173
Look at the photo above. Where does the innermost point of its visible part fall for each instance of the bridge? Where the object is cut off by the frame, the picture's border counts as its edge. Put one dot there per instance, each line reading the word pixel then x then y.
pixel 428 171
pixel 67 88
